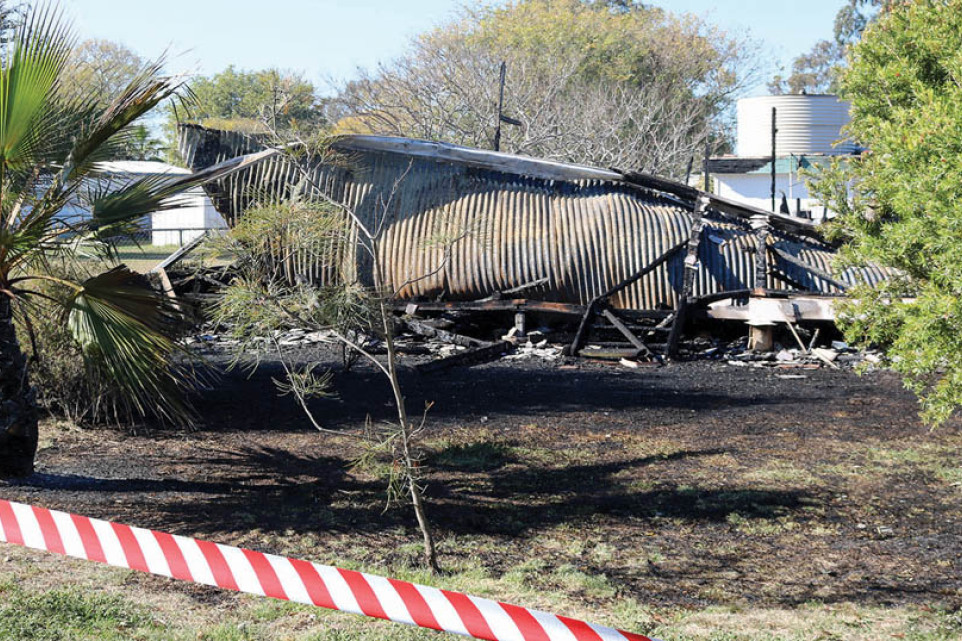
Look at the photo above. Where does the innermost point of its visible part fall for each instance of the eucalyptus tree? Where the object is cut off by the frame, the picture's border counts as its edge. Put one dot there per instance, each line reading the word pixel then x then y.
pixel 608 83
pixel 51 140
pixel 900 202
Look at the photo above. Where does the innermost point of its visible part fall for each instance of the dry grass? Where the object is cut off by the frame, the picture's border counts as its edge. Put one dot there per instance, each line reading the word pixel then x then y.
pixel 757 522
pixel 47 598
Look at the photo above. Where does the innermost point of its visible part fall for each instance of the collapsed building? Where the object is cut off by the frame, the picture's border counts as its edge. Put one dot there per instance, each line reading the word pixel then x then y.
pixel 537 236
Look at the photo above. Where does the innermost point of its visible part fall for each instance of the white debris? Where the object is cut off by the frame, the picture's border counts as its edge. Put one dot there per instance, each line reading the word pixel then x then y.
pixel 827 355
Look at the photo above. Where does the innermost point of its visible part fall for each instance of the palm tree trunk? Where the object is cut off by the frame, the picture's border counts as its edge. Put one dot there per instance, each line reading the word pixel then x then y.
pixel 18 409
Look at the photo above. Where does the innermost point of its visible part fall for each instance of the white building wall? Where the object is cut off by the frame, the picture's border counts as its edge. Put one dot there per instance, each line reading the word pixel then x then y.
pixel 756 189
pixel 170 227
pixel 184 224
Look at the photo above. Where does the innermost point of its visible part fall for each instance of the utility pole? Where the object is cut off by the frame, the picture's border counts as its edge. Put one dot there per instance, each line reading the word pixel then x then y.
pixel 501 117
pixel 497 131
pixel 774 131
pixel 706 174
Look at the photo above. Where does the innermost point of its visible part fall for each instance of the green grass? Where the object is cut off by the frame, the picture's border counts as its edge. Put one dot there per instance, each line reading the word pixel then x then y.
pixel 813 621
pixel 92 603
pixel 71 613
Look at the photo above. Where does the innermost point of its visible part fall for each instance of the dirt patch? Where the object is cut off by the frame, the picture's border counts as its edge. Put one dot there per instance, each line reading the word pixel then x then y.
pixel 691 485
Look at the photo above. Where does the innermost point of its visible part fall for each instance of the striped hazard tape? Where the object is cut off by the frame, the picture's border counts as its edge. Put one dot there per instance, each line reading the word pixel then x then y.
pixel 233 568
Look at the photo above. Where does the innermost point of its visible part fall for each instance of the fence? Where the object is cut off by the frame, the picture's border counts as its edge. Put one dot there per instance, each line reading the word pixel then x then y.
pixel 176 236
pixel 147 247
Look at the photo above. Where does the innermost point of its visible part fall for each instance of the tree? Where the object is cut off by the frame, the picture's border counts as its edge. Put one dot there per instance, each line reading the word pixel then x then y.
pixel 259 101
pixel 50 141
pixel 271 292
pixel 905 210
pixel 604 83
pixel 100 69
pixel 817 71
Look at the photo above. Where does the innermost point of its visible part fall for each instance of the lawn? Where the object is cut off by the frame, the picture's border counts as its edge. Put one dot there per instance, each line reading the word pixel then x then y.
pixel 694 501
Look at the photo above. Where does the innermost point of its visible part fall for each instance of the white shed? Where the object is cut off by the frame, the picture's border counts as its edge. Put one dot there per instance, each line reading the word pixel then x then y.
pixel 809 134
pixel 171 227
pixel 749 180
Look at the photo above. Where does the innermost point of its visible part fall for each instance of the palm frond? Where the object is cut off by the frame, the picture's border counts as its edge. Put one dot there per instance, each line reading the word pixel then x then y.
pixel 110 205
pixel 144 92
pixel 125 324
pixel 30 119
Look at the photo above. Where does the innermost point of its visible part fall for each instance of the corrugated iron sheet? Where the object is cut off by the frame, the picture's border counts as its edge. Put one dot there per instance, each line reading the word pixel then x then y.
pixel 501 230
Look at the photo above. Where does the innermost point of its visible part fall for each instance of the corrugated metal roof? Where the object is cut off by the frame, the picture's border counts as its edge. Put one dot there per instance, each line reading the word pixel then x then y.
pixel 517 221
pixel 763 165
pixel 139 168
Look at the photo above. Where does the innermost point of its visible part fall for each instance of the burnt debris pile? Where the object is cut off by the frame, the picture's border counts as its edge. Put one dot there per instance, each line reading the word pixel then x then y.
pixel 597 262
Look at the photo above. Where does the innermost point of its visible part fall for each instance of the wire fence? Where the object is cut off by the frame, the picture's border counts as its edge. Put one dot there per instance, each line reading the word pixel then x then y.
pixel 166 237
pixel 147 247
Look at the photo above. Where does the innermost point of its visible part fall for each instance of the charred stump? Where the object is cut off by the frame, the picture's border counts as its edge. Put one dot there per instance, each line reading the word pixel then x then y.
pixel 18 409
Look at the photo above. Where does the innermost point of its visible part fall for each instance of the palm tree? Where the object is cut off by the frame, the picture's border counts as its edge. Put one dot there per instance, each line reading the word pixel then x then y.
pixel 50 143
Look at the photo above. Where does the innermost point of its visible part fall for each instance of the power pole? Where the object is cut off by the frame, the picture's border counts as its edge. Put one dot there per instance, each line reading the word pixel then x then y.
pixel 497 131
pixel 501 117
pixel 774 131
pixel 706 172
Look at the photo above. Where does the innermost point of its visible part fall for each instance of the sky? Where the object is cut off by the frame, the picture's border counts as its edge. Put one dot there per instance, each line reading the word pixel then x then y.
pixel 328 40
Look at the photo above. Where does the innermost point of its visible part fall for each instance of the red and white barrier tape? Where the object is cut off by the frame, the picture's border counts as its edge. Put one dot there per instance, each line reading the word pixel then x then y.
pixel 279 577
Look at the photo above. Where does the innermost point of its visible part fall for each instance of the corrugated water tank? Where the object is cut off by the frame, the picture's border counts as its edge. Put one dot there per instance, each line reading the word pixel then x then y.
pixel 807 124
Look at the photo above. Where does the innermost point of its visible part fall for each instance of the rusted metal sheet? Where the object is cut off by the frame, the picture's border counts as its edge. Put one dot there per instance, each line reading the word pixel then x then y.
pixel 510 221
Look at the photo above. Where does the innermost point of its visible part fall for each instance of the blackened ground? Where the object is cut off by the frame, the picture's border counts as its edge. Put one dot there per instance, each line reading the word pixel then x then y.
pixel 691 484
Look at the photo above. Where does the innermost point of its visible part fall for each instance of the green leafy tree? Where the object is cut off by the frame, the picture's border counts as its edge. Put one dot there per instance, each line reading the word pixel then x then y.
pixel 99 70
pixel 905 206
pixel 605 83
pixel 50 141
pixel 264 100
pixel 141 145
pixel 817 71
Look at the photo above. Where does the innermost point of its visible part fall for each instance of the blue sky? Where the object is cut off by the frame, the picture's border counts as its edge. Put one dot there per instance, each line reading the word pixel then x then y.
pixel 329 39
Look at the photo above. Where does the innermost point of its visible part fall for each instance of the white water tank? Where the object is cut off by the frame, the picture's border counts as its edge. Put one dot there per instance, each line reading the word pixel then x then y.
pixel 807 124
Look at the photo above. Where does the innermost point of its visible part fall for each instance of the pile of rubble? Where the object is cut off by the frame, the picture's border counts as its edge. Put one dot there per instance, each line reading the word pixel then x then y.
pixel 531 346
pixel 287 338
pixel 435 338
pixel 836 355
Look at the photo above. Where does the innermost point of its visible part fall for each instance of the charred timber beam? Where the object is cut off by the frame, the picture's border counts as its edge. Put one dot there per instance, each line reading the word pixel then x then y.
pixel 610 354
pixel 788 280
pixel 627 333
pixel 496 305
pixel 722 205
pixel 688 283
pixel 179 254
pixel 423 329
pixel 476 356
pixel 652 266
pixel 594 305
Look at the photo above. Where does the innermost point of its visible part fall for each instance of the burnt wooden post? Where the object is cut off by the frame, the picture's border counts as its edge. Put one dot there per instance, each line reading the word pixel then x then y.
pixel 520 323
pixel 761 226
pixel 688 281
pixel 763 334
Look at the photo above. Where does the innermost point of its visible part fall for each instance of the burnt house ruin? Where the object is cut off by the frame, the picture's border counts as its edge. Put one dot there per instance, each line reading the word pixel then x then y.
pixel 599 245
